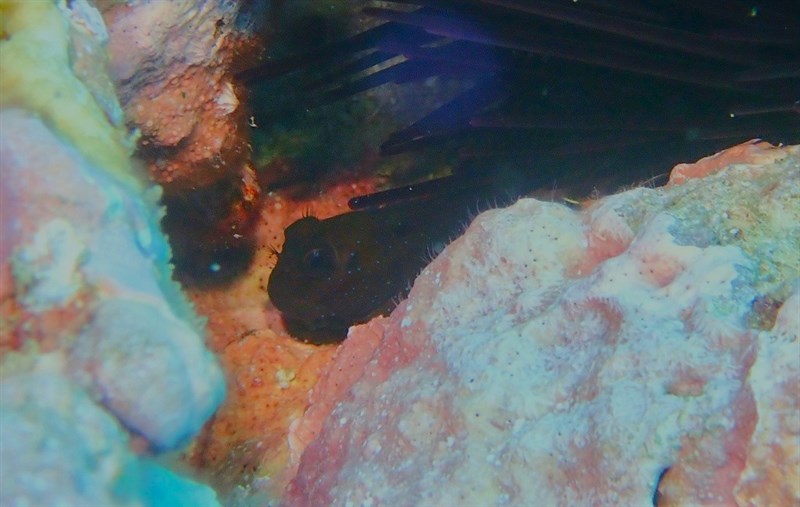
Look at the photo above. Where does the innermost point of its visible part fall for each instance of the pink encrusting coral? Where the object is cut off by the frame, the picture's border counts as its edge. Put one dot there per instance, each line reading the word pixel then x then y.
pixel 645 346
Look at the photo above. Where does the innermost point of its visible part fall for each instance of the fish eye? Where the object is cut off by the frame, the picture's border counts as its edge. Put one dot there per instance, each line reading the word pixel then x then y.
pixel 320 261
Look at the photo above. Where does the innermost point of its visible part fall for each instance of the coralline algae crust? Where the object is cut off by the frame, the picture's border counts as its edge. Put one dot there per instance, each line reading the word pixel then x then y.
pixel 558 357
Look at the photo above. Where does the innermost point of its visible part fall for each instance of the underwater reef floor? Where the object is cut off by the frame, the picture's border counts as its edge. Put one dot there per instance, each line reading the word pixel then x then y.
pixel 639 348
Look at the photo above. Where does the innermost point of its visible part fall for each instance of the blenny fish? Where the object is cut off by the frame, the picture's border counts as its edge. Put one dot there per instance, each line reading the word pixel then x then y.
pixel 346 269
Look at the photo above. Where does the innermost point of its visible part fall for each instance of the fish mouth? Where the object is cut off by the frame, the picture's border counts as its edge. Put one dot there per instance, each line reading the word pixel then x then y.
pixel 321 330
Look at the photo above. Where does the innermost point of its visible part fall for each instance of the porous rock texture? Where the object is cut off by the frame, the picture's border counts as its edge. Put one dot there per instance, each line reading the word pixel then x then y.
pixel 645 347
pixel 61 448
pixel 100 352
pixel 172 64
pixel 88 269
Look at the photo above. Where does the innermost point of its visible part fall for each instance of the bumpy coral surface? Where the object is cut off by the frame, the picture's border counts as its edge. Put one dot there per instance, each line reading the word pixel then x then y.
pixel 85 290
pixel 82 271
pixel 60 448
pixel 172 64
pixel 644 347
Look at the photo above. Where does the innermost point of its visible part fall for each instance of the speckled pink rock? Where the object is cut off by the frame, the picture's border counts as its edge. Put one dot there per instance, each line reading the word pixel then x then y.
pixel 556 357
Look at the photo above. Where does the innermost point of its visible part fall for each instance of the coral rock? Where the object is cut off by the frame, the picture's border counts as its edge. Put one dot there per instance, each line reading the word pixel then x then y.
pixel 646 346
pixel 96 340
pixel 40 64
pixel 62 449
pixel 172 64
pixel 134 342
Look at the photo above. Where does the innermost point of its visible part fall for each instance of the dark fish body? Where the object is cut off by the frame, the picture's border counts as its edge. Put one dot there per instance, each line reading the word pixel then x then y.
pixel 346 269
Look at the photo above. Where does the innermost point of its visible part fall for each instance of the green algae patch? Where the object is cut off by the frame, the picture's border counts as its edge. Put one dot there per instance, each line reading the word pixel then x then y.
pixel 36 74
